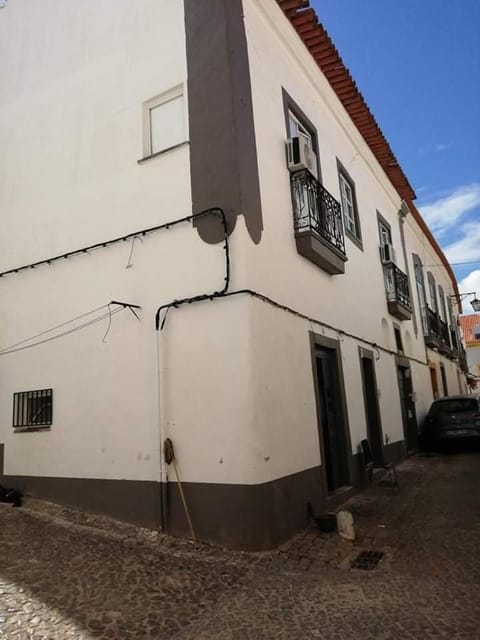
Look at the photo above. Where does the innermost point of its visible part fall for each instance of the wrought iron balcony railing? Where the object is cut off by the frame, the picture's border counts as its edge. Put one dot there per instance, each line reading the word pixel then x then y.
pixel 444 332
pixel 315 209
pixel 396 285
pixel 436 331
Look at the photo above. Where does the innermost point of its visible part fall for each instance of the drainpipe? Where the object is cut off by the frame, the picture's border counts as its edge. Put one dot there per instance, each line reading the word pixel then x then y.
pixel 161 432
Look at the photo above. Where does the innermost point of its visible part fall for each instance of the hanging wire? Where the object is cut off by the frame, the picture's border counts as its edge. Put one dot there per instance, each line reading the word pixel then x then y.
pixel 129 262
pixel 9 350
pixel 58 326
pixel 104 339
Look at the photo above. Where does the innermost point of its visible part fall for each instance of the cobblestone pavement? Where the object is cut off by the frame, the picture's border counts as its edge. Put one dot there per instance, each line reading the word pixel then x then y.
pixel 64 574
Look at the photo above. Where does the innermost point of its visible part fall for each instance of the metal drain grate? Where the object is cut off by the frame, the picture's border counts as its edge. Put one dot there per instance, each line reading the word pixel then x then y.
pixel 367 560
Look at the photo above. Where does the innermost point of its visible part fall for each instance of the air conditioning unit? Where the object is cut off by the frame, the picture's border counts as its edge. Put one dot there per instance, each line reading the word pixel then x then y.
pixel 300 155
pixel 387 253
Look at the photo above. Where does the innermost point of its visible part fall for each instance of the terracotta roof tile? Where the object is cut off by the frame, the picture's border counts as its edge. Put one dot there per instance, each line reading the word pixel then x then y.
pixel 468 323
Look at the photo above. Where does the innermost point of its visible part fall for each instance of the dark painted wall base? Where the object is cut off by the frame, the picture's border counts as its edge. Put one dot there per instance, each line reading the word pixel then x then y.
pixel 250 517
pixel 127 500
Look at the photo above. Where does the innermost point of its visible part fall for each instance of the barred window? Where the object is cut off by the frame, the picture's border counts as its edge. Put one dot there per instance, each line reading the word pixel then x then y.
pixel 32 409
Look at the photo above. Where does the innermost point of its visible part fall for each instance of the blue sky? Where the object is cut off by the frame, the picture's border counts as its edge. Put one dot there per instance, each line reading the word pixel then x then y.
pixel 417 63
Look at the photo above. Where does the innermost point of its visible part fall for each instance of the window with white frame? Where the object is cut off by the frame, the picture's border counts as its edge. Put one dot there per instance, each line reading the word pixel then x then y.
pixel 164 122
pixel 298 130
pixel 349 205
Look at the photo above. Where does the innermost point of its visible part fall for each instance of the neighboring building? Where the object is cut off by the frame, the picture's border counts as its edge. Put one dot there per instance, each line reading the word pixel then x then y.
pixel 288 340
pixel 470 325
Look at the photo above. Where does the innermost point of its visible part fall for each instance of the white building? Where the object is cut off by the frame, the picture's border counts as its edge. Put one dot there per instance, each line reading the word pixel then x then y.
pixel 470 326
pixel 292 340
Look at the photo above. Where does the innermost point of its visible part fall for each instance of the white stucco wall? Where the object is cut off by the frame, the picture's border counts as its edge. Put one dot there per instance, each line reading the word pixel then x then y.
pixel 354 302
pixel 418 244
pixel 74 79
pixel 236 384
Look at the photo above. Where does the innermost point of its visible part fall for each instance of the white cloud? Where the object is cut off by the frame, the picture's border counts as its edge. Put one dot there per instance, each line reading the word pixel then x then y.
pixel 467 247
pixel 442 146
pixel 470 283
pixel 445 212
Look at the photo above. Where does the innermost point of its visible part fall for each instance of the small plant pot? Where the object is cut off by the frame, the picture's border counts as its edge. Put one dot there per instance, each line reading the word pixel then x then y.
pixel 327 523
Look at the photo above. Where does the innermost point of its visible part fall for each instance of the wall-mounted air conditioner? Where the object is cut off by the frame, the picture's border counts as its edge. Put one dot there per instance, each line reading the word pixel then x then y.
pixel 300 155
pixel 387 252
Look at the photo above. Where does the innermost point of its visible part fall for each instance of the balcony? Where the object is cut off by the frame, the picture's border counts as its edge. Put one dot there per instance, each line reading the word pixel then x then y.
pixel 437 333
pixel 454 342
pixel 318 223
pixel 444 346
pixel 398 292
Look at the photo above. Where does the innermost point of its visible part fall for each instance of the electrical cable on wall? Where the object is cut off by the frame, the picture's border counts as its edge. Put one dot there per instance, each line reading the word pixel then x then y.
pixel 10 350
pixel 160 322
pixel 22 345
pixel 214 211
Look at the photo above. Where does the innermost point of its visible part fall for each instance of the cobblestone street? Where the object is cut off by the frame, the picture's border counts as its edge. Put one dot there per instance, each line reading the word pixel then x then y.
pixel 65 575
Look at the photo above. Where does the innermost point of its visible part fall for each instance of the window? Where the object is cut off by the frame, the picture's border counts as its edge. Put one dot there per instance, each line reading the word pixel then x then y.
pixel 32 409
pixel 422 298
pixel 349 205
pixel 296 129
pixel 398 339
pixel 433 291
pixel 443 306
pixel 476 332
pixel 164 122
pixel 384 231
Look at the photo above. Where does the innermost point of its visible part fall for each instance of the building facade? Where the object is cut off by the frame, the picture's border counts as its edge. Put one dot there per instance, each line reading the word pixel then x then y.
pixel 207 239
pixel 470 327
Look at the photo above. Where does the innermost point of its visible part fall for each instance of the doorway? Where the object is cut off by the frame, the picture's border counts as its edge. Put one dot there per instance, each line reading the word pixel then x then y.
pixel 444 380
pixel 372 412
pixel 407 404
pixel 332 427
pixel 434 381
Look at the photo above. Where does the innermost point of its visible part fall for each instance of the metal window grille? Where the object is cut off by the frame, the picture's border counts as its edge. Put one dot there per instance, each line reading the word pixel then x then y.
pixel 33 408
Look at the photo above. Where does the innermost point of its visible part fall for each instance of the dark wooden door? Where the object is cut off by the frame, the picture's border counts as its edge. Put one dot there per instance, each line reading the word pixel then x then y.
pixel 332 422
pixel 374 427
pixel 408 408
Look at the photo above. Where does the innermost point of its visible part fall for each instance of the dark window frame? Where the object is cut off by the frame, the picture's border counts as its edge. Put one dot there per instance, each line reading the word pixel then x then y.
pixel 397 333
pixel 32 410
pixel 432 290
pixel 382 222
pixel 356 239
pixel 289 104
pixel 442 305
pixel 420 286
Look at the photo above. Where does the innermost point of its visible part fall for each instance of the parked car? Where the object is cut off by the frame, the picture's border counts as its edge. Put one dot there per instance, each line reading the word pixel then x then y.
pixel 456 418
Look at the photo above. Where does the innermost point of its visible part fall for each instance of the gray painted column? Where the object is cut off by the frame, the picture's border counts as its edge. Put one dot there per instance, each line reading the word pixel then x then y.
pixel 223 153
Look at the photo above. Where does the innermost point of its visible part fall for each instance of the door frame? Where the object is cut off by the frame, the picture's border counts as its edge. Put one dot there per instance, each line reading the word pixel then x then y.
pixel 404 363
pixel 369 355
pixel 433 374
pixel 320 341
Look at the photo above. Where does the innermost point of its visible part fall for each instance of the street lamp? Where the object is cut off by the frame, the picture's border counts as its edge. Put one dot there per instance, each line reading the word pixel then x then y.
pixel 459 297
